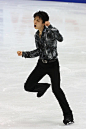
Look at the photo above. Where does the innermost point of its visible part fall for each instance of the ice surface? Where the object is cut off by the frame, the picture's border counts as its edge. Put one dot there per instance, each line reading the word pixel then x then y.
pixel 23 110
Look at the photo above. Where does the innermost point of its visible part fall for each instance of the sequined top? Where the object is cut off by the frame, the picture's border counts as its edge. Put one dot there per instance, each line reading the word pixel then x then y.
pixel 46 46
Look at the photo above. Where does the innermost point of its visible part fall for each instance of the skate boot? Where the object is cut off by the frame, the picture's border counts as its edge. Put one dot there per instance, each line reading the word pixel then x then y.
pixel 40 93
pixel 68 119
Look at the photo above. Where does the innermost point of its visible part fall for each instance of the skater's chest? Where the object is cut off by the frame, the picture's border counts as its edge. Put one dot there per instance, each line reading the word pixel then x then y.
pixel 43 41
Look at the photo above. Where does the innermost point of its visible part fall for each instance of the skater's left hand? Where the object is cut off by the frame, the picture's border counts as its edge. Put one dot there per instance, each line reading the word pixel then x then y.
pixel 47 23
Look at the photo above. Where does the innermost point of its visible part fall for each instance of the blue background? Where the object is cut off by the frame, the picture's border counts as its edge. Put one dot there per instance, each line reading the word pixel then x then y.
pixel 76 1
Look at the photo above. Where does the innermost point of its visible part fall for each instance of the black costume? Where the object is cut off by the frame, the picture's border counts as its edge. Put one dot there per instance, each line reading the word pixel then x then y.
pixel 47 64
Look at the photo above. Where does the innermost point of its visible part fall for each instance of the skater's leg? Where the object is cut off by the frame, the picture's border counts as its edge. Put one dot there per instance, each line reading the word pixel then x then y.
pixel 32 84
pixel 59 94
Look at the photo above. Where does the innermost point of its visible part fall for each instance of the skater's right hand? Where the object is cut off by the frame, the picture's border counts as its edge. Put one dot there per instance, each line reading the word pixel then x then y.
pixel 19 53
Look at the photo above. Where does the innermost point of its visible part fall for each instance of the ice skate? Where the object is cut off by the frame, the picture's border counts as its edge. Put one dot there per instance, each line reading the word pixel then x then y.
pixel 68 119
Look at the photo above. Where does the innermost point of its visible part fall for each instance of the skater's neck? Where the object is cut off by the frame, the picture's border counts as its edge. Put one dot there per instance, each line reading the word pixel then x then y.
pixel 41 30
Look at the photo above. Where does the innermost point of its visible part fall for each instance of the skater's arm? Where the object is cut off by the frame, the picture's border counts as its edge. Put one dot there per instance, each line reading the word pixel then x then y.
pixel 53 33
pixel 30 54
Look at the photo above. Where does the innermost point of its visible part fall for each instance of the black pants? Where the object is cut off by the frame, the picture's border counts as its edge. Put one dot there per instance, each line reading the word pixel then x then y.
pixel 52 69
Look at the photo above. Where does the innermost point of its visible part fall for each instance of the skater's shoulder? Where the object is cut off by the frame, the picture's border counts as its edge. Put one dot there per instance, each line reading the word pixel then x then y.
pixel 36 33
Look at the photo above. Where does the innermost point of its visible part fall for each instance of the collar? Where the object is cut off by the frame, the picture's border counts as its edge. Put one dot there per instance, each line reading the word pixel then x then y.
pixel 44 30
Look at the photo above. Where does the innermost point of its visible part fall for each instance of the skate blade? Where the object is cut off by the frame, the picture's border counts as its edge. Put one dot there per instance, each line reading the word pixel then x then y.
pixel 69 123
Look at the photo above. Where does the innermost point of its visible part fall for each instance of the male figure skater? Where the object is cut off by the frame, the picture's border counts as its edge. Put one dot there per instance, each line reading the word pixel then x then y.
pixel 46 42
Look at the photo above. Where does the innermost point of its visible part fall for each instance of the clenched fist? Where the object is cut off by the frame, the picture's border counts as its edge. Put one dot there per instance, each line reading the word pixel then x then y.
pixel 19 53
pixel 47 23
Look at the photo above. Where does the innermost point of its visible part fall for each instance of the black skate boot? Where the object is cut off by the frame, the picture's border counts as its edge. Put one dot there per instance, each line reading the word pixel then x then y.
pixel 39 94
pixel 68 119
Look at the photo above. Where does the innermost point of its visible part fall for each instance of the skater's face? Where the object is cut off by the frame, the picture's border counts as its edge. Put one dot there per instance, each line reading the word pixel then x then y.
pixel 38 23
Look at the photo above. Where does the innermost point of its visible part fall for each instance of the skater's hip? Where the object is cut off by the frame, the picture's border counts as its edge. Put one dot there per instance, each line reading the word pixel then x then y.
pixel 47 61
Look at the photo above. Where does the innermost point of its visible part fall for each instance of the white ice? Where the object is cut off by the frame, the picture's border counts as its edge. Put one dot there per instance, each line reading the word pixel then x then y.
pixel 23 110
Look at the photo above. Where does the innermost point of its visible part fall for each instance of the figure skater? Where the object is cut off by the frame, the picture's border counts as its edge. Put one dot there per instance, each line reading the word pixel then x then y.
pixel 46 39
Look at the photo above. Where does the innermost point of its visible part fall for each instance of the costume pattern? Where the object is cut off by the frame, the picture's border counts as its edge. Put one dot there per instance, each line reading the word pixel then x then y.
pixel 46 46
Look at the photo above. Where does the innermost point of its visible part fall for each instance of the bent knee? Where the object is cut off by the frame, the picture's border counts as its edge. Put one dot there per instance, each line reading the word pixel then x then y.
pixel 28 88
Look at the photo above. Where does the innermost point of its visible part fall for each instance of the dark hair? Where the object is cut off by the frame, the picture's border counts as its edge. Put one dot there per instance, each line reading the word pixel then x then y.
pixel 43 15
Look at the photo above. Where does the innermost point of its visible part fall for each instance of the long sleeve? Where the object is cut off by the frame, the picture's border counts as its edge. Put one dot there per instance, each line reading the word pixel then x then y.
pixel 30 54
pixel 55 33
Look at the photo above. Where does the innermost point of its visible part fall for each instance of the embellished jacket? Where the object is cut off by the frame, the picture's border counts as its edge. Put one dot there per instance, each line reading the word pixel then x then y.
pixel 46 46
